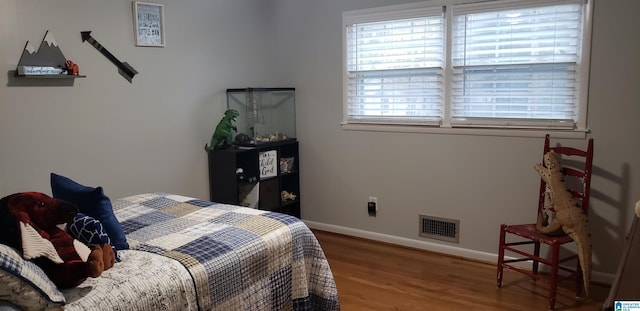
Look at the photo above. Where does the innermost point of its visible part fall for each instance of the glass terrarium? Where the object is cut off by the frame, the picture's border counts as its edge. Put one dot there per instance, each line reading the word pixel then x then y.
pixel 266 114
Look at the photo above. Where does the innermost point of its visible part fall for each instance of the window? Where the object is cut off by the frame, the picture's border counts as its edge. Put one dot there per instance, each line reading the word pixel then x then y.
pixel 495 64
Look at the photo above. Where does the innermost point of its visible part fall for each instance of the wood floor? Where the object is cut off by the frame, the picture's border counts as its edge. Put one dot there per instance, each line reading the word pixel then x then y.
pixel 372 276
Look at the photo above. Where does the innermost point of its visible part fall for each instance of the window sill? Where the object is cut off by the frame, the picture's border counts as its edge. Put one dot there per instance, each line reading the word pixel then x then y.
pixel 568 134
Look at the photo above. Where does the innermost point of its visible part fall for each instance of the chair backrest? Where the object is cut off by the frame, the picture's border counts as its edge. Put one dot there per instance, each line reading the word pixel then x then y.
pixel 577 166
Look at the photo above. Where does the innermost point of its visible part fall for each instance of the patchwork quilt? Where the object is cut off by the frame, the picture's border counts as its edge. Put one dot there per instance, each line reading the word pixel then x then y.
pixel 141 281
pixel 239 258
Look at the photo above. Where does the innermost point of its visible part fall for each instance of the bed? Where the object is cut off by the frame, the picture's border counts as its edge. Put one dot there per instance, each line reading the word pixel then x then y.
pixel 192 254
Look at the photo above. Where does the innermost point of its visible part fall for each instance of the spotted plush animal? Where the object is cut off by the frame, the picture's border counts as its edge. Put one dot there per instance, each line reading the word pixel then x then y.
pixel 569 216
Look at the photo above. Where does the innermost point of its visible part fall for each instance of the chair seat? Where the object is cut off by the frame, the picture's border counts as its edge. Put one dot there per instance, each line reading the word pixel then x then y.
pixel 529 231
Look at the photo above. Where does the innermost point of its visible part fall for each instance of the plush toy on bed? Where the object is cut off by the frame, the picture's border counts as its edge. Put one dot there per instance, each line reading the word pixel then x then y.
pixel 29 223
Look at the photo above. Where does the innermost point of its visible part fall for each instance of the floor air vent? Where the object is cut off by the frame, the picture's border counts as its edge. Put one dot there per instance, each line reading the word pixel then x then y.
pixel 440 228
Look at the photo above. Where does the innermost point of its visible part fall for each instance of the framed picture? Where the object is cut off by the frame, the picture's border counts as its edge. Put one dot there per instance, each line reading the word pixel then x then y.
pixel 148 21
pixel 267 162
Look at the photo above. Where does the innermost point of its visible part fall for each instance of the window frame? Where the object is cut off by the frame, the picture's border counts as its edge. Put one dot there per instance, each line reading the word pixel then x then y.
pixel 447 125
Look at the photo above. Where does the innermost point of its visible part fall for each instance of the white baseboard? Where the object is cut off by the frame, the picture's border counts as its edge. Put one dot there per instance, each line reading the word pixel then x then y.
pixel 600 277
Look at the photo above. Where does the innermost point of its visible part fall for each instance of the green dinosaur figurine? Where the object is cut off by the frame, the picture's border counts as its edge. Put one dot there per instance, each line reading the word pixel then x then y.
pixel 223 134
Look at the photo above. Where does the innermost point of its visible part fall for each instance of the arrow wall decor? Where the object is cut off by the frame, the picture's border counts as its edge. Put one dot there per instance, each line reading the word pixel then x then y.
pixel 123 68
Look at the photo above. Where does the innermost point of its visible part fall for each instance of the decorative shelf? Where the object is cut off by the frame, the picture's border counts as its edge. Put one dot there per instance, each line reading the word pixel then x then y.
pixel 47 62
pixel 60 76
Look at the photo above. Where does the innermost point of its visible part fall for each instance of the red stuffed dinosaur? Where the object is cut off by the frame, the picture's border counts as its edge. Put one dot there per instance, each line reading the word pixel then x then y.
pixel 29 223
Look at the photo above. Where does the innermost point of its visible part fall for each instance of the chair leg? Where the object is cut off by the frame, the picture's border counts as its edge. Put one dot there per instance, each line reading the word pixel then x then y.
pixel 536 264
pixel 500 268
pixel 553 277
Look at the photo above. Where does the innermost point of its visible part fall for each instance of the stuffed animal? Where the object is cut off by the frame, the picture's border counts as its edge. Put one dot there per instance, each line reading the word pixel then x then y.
pixel 569 217
pixel 29 223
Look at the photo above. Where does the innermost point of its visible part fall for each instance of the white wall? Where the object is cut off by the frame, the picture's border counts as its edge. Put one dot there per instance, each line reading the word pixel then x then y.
pixel 482 180
pixel 149 135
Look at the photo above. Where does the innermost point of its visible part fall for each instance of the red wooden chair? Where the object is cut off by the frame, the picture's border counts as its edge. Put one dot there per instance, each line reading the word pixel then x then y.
pixel 577 165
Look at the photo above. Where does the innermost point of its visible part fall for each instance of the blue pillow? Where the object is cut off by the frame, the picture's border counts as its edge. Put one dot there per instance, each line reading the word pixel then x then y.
pixel 92 202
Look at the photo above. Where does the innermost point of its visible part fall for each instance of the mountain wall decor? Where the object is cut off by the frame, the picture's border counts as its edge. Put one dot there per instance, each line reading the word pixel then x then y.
pixel 47 55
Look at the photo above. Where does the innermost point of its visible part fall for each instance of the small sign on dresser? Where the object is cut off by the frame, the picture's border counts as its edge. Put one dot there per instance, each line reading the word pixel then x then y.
pixel 268 163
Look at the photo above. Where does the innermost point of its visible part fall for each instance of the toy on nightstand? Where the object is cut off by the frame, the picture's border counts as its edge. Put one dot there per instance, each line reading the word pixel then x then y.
pixel 223 135
pixel 288 196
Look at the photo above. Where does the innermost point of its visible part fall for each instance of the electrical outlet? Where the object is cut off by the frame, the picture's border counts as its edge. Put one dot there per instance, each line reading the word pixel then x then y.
pixel 373 200
pixel 372 206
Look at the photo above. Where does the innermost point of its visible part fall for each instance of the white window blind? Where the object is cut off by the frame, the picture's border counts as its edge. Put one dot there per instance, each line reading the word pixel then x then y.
pixel 517 66
pixel 484 64
pixel 395 69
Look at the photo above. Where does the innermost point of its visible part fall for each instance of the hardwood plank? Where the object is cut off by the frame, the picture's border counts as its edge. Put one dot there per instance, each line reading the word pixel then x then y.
pixel 372 275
